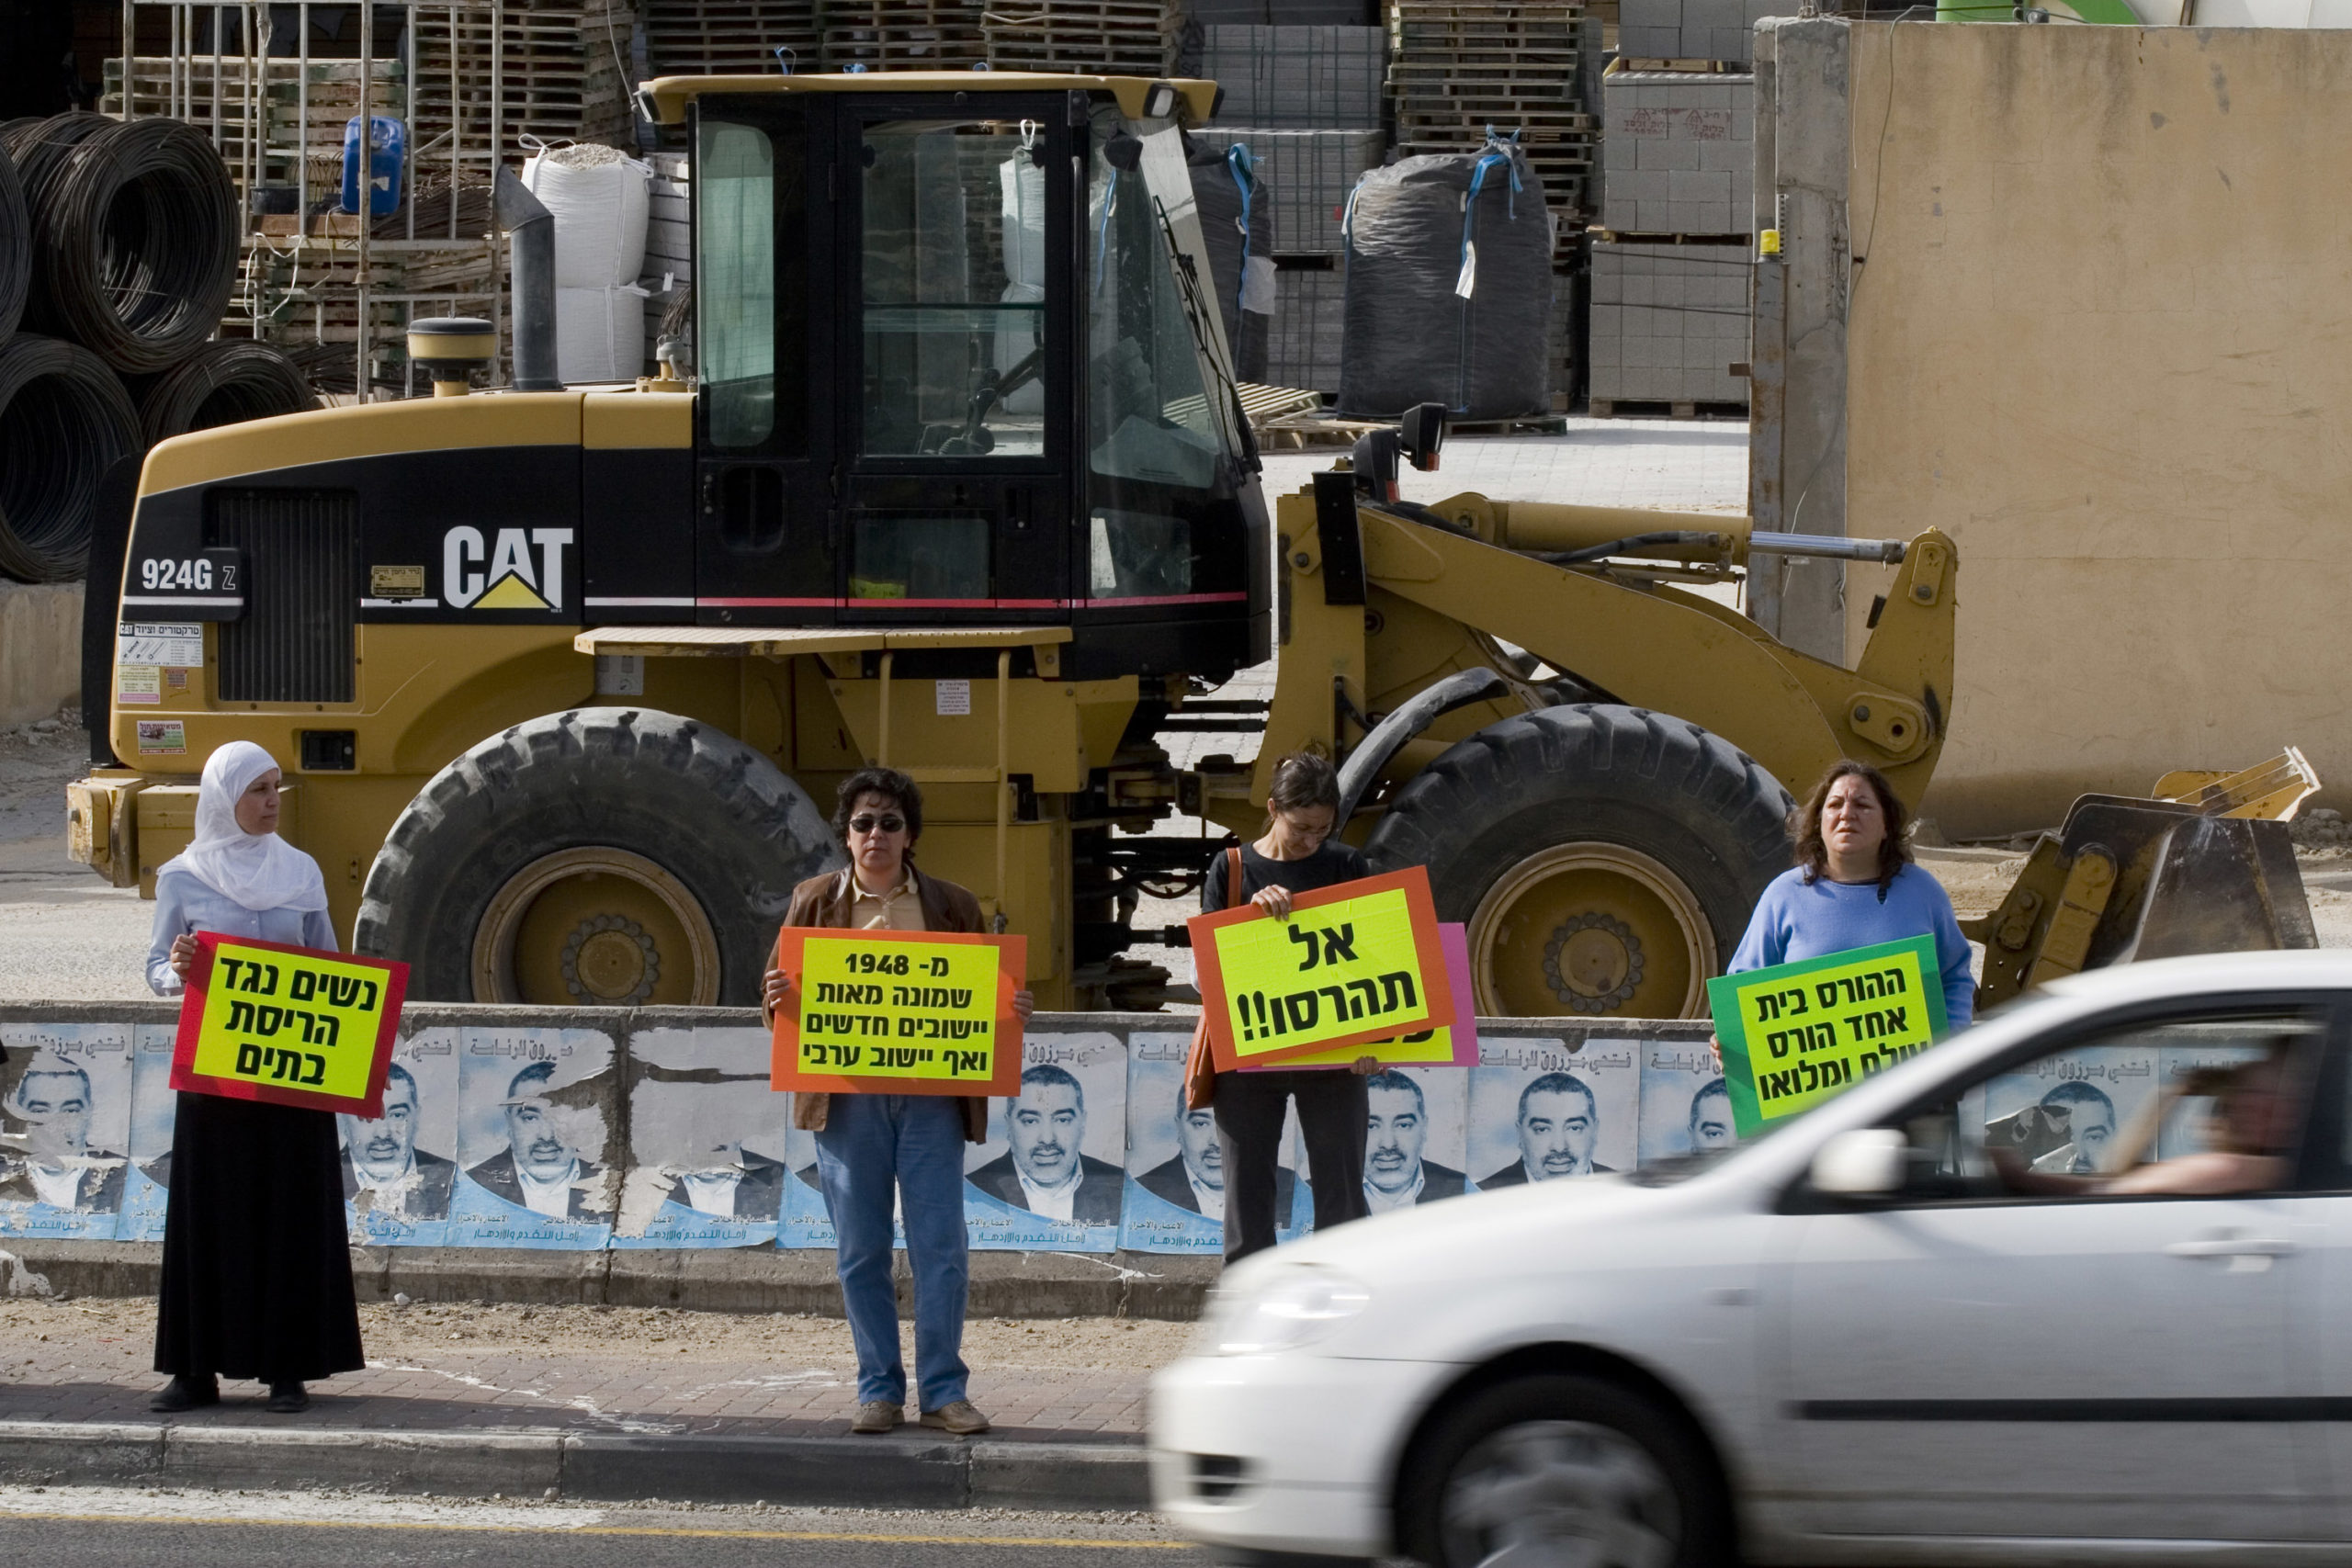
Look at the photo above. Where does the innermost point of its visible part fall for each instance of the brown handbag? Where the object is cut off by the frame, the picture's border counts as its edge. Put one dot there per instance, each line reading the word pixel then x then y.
pixel 1200 1063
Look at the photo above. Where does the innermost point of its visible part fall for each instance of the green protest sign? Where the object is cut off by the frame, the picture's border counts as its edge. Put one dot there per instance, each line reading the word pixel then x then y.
pixel 1796 1034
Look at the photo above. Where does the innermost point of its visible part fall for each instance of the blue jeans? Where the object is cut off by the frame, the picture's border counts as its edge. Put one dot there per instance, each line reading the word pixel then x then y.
pixel 916 1141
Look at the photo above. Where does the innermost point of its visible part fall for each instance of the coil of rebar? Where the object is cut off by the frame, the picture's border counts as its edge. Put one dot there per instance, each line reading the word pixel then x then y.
pixel 220 383
pixel 64 420
pixel 16 247
pixel 37 147
pixel 135 227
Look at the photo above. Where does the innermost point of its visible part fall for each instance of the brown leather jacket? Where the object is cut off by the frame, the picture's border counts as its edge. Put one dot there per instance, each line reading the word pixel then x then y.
pixel 824 901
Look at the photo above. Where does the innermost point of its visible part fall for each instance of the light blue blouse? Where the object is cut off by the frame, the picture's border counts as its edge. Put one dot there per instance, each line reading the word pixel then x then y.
pixel 184 904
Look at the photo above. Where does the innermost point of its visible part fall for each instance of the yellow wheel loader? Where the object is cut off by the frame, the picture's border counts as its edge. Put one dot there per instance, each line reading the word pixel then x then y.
pixel 958 481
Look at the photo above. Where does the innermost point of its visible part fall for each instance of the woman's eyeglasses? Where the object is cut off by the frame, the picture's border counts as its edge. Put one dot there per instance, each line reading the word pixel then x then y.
pixel 871 824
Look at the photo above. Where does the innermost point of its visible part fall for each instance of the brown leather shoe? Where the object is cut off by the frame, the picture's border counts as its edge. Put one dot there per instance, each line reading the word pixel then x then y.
pixel 956 1416
pixel 877 1415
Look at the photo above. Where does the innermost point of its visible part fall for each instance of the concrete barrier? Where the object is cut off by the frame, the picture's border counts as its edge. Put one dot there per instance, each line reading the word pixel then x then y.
pixel 40 650
pixel 646 1095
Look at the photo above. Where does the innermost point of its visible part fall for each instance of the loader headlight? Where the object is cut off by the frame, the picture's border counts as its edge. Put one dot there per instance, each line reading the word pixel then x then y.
pixel 1295 1306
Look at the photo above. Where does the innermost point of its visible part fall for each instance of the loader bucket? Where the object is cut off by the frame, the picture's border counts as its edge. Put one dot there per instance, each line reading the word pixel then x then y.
pixel 2129 879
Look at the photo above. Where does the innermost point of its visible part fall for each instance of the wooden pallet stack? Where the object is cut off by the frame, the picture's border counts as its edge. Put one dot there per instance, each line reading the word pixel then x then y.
pixel 1457 68
pixel 730 37
pixel 302 294
pixel 903 35
pixel 551 69
pixel 1129 38
pixel 267 117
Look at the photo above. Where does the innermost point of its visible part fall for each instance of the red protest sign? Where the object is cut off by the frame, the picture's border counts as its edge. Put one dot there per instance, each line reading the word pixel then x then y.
pixel 288 1025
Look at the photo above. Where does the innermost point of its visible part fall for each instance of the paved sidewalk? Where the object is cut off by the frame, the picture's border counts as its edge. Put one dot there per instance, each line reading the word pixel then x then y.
pixel 442 1366
pixel 583 1402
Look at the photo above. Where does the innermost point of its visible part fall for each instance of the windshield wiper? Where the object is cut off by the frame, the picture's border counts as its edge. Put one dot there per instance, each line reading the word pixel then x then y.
pixel 1195 300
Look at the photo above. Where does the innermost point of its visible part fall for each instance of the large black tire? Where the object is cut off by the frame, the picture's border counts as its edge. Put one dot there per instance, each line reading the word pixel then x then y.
pixel 656 816
pixel 1605 858
pixel 1563 1467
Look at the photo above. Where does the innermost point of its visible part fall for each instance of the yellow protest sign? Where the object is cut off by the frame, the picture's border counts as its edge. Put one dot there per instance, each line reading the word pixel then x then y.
pixel 898 1012
pixel 1453 1047
pixel 1798 1033
pixel 288 1025
pixel 1361 960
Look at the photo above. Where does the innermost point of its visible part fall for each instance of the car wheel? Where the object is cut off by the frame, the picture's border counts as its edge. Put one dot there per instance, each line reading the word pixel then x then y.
pixel 1562 1471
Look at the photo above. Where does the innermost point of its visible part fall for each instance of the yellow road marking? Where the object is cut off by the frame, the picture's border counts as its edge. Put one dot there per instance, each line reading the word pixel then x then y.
pixel 874 1537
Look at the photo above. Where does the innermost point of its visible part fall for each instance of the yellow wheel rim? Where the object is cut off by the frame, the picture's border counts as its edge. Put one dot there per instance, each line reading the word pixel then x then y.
pixel 1591 930
pixel 595 927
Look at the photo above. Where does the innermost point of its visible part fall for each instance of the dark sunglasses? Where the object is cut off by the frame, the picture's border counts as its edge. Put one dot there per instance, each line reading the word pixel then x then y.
pixel 868 824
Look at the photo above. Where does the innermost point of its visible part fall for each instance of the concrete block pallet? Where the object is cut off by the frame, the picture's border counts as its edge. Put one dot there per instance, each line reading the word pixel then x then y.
pixel 1310 310
pixel 1693 30
pixel 1114 36
pixel 1669 321
pixel 1293 77
pixel 1678 153
pixel 1308 175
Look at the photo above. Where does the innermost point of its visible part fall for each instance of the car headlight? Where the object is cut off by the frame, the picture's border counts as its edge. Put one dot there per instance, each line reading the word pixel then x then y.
pixel 1294 1307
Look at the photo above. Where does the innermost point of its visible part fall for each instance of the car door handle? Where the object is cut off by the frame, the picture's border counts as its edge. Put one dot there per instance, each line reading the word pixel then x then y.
pixel 2232 1247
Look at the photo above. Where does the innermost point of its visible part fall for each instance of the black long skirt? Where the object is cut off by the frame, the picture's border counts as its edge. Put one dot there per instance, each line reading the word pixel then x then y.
pixel 256 1267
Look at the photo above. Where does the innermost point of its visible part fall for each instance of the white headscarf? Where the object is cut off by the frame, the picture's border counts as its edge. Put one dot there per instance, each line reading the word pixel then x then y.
pixel 260 871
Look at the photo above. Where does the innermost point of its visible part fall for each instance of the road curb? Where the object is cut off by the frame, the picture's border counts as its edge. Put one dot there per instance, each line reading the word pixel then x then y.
pixel 916 1468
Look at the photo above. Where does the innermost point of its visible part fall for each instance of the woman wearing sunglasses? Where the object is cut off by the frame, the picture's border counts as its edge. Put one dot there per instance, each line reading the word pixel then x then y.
pixel 869 1145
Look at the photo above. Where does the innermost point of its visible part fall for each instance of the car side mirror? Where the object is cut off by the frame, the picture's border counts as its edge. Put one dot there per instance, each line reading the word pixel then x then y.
pixel 1863 1162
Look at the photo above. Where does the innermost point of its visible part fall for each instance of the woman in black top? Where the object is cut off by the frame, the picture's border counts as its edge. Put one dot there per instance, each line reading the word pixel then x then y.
pixel 1297 855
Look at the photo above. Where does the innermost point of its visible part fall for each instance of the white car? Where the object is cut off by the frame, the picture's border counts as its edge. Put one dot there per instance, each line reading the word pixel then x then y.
pixel 2075 1286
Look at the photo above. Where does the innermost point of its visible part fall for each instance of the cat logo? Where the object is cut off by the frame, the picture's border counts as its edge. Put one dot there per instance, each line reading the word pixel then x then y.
pixel 525 570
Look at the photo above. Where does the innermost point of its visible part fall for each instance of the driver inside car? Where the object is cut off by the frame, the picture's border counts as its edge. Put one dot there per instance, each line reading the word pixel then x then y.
pixel 2250 1131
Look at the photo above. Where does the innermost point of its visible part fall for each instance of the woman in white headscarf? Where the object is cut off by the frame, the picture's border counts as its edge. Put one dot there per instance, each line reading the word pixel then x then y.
pixel 256 1278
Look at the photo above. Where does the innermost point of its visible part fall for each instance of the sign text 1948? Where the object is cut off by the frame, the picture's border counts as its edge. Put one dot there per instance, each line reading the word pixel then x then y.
pixel 898 1012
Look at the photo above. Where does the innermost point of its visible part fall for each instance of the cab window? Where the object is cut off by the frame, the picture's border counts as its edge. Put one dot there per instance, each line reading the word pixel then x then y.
pixel 2185 1106
pixel 750 194
pixel 955 285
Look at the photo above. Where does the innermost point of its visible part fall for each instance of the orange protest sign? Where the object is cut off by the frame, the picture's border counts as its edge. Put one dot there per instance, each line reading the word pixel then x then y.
pixel 898 1012
pixel 1358 962
pixel 288 1025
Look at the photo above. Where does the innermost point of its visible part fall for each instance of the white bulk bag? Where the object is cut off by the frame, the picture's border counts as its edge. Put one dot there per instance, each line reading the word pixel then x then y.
pixel 598 196
pixel 599 334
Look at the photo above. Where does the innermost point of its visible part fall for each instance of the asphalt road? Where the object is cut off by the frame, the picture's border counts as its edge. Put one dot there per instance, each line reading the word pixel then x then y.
pixel 101 1528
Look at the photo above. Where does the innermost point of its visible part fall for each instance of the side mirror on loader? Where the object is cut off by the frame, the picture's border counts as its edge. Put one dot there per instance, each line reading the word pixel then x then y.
pixel 1422 433
pixel 1417 438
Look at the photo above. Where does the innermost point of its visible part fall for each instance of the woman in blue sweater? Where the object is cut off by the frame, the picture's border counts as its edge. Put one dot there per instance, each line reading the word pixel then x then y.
pixel 1854 886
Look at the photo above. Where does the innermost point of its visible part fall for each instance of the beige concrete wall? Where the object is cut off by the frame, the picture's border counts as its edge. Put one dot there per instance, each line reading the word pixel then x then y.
pixel 40 650
pixel 2102 333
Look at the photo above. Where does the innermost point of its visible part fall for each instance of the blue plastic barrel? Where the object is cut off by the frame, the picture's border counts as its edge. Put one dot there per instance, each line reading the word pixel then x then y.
pixel 388 141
